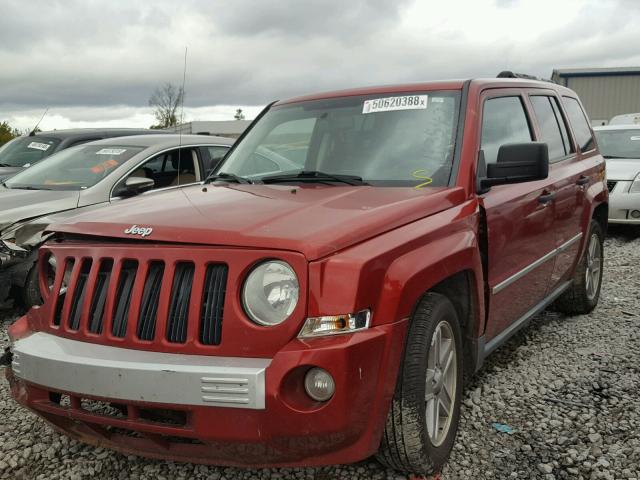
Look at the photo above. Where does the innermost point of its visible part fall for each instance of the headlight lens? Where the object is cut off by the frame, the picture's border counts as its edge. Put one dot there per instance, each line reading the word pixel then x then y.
pixel 270 293
pixel 635 186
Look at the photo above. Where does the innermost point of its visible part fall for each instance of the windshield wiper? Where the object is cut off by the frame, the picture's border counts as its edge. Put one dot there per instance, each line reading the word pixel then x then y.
pixel 227 177
pixel 5 165
pixel 314 176
pixel 30 187
pixel 613 156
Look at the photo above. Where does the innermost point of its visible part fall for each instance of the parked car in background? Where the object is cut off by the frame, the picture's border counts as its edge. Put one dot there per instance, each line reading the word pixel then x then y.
pixel 620 146
pixel 22 152
pixel 324 312
pixel 86 177
pixel 626 119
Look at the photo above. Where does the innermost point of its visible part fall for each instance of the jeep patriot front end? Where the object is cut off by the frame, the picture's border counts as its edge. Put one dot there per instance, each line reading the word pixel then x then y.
pixel 317 300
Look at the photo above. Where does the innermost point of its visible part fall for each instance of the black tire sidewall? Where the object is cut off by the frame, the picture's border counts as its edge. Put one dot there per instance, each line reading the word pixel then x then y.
pixel 31 290
pixel 421 331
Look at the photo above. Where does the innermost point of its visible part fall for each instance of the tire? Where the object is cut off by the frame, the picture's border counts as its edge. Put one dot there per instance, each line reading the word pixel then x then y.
pixel 582 297
pixel 30 294
pixel 409 445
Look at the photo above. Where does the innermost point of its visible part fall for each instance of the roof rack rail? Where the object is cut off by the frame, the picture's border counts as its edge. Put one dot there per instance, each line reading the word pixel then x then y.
pixel 510 74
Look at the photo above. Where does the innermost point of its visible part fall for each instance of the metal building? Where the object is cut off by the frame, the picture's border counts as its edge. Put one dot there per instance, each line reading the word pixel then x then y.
pixel 605 92
pixel 226 128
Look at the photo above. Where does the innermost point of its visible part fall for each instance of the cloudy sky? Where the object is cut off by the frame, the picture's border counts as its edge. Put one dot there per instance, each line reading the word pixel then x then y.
pixel 96 63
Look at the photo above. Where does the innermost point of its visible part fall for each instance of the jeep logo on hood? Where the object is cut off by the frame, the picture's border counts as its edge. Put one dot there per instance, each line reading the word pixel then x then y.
pixel 136 230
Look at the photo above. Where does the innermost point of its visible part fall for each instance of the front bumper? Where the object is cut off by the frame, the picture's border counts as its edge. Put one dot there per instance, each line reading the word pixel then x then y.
pixel 622 204
pixel 156 404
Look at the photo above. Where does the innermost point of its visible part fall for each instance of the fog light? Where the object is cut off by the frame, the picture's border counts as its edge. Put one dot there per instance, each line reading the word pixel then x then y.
pixel 319 384
pixel 635 213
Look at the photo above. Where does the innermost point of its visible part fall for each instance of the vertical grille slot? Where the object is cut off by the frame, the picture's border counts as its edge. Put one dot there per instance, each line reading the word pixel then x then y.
pixel 215 287
pixel 79 293
pixel 96 311
pixel 149 305
pixel 62 294
pixel 123 298
pixel 180 297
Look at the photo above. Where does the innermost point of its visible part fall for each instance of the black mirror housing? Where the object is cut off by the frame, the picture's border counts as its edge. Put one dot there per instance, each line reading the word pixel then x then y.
pixel 137 185
pixel 517 163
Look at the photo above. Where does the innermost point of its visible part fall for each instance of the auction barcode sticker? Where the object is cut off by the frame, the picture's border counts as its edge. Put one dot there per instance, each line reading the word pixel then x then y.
pixel 111 151
pixel 39 146
pixel 389 104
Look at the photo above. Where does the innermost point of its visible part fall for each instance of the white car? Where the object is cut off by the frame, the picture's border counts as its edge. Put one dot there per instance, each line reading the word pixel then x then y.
pixel 620 146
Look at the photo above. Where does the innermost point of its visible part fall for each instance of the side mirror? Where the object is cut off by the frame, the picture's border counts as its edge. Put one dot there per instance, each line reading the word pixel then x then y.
pixel 136 186
pixel 517 163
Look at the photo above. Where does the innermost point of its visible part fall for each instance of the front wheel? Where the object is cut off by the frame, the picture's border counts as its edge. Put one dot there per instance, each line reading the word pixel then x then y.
pixel 582 297
pixel 423 419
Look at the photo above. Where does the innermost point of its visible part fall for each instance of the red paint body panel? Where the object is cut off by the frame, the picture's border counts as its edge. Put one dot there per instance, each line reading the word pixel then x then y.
pixel 291 430
pixel 353 248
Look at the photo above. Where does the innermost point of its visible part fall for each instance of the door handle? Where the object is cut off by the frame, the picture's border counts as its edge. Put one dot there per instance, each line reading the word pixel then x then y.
pixel 583 180
pixel 546 197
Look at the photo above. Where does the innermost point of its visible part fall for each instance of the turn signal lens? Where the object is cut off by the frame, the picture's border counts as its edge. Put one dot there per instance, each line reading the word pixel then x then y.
pixel 335 324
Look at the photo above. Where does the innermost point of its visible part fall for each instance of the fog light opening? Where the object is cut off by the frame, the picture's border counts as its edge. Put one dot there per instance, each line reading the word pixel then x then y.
pixel 319 384
pixel 635 213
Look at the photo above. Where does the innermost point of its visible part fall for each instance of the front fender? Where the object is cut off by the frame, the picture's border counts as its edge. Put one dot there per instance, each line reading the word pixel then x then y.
pixel 391 272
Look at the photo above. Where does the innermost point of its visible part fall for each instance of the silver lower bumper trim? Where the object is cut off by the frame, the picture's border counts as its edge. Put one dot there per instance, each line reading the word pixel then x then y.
pixel 124 374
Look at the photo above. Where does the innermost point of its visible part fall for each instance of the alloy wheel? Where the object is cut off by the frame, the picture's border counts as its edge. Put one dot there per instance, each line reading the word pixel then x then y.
pixel 594 264
pixel 441 383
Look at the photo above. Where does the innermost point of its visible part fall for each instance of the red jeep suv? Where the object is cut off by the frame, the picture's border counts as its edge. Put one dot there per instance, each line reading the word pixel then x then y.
pixel 318 299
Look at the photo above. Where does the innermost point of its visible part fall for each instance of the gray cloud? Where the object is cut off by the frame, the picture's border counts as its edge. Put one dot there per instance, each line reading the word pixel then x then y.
pixel 95 53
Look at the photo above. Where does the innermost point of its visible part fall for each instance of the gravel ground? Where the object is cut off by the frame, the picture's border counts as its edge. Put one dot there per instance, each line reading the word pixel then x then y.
pixel 567 387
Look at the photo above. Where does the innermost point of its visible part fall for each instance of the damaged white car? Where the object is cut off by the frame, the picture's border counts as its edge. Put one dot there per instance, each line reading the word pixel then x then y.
pixel 86 177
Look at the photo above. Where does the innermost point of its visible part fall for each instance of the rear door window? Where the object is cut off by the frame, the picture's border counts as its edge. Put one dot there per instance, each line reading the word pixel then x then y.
pixel 503 121
pixel 579 122
pixel 549 123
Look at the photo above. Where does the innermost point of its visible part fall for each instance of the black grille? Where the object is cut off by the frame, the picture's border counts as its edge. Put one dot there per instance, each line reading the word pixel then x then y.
pixel 215 286
pixel 123 298
pixel 96 311
pixel 149 303
pixel 78 295
pixel 611 184
pixel 180 297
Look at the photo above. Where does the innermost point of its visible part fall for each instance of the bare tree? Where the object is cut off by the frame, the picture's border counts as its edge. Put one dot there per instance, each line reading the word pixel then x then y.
pixel 239 115
pixel 165 100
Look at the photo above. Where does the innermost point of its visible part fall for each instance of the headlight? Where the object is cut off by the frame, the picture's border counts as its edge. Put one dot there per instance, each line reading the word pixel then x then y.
pixel 635 186
pixel 270 293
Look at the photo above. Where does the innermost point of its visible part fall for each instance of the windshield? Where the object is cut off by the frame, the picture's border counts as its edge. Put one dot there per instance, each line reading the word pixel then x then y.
pixel 75 168
pixel 619 143
pixel 25 151
pixel 387 140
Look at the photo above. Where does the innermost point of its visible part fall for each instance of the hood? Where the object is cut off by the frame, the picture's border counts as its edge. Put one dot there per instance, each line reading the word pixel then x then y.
pixel 315 220
pixel 17 204
pixel 622 168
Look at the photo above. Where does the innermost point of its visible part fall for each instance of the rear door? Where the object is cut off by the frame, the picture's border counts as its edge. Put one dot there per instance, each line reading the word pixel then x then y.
pixel 520 218
pixel 567 170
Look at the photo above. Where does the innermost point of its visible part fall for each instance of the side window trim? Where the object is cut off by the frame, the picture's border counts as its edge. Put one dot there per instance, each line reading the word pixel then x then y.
pixel 584 114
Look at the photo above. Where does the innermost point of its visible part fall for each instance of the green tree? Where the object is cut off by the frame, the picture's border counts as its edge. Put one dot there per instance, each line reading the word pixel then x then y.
pixel 7 132
pixel 165 101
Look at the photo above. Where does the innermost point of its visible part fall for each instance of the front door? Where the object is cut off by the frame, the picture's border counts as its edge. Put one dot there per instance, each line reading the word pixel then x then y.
pixel 521 241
